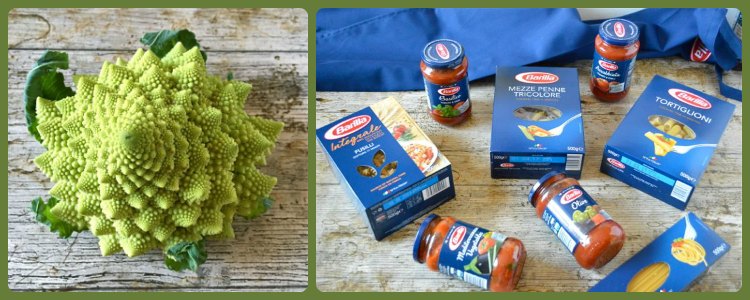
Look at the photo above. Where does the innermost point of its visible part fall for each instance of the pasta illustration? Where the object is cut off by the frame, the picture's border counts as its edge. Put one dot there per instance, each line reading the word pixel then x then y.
pixel 422 154
pixel 534 131
pixel 379 158
pixel 367 171
pixel 671 127
pixel 537 113
pixel 689 252
pixel 389 169
pixel 662 144
pixel 525 132
pixel 413 140
pixel 650 278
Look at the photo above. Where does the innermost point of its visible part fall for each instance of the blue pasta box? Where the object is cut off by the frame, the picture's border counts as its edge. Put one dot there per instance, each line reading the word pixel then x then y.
pixel 536 123
pixel 389 167
pixel 670 263
pixel 666 140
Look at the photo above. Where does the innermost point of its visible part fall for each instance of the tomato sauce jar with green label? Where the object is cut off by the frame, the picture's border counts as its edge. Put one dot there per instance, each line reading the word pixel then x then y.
pixel 445 69
pixel 616 47
pixel 586 230
pixel 488 259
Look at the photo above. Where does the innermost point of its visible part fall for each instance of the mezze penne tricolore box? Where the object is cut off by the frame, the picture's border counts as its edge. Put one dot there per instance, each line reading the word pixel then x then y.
pixel 537 125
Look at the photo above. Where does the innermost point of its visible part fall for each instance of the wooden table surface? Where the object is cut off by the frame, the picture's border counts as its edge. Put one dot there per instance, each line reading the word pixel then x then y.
pixel 266 47
pixel 349 258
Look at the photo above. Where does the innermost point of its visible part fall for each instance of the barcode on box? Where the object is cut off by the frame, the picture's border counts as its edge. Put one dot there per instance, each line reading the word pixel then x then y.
pixel 475 280
pixel 566 239
pixel 573 162
pixel 681 191
pixel 436 188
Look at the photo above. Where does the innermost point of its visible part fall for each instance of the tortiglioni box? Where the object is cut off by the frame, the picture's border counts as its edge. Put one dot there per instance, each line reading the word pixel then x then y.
pixel 665 142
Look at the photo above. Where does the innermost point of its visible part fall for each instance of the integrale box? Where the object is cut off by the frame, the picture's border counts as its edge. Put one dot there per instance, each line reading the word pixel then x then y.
pixel 665 142
pixel 536 123
pixel 389 167
pixel 670 263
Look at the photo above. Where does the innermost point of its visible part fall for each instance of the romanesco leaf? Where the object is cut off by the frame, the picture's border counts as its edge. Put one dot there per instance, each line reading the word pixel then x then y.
pixel 267 203
pixel 44 81
pixel 44 216
pixel 161 42
pixel 186 255
pixel 263 206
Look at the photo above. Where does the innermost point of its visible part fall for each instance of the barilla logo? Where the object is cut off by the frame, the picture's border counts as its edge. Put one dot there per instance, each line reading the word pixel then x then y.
pixel 608 65
pixel 619 29
pixel 449 91
pixel 347 127
pixel 506 165
pixel 690 98
pixel 616 163
pixel 571 195
pixel 537 77
pixel 442 51
pixel 457 237
pixel 699 52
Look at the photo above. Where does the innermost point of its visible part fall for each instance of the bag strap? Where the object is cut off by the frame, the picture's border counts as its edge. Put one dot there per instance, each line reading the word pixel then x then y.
pixel 725 89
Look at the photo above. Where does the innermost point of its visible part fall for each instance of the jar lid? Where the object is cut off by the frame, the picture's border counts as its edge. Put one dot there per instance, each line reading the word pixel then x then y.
pixel 443 54
pixel 539 183
pixel 420 233
pixel 619 32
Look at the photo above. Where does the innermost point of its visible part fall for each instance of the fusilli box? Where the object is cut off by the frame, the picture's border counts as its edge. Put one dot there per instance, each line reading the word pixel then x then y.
pixel 389 167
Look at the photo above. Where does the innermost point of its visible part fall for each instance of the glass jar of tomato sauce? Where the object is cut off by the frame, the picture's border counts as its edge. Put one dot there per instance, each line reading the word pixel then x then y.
pixel 586 230
pixel 473 254
pixel 616 47
pixel 445 68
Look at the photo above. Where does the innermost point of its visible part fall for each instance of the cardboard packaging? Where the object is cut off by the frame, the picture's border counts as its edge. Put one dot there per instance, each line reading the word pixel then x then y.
pixel 391 170
pixel 536 123
pixel 665 142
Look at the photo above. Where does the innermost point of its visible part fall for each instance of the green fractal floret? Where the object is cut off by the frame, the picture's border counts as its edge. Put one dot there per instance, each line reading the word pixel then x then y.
pixel 153 152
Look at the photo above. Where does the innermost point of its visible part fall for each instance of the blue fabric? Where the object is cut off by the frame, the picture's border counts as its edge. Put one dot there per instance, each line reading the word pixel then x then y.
pixel 379 49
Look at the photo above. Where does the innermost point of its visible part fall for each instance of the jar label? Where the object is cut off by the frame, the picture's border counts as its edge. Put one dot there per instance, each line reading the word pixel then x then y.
pixel 448 101
pixel 469 253
pixel 611 76
pixel 571 214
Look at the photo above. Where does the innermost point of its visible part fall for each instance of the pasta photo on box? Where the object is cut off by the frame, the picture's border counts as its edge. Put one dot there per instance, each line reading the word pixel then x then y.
pixel 671 262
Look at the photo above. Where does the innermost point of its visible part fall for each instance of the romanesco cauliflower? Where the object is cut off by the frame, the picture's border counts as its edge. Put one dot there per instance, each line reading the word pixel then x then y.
pixel 154 152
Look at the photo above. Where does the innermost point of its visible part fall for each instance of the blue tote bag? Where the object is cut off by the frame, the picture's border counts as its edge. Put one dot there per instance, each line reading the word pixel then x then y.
pixel 379 49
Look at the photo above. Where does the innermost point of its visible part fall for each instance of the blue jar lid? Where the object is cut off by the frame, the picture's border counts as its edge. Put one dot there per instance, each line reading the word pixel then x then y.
pixel 420 233
pixel 619 32
pixel 443 54
pixel 539 183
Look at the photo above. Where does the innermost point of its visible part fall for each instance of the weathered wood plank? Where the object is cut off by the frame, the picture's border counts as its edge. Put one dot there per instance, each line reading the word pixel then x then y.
pixel 269 253
pixel 279 79
pixel 240 30
pixel 348 258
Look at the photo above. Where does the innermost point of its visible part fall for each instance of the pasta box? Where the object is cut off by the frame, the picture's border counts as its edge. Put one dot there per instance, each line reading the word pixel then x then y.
pixel 536 123
pixel 666 140
pixel 389 167
pixel 671 262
